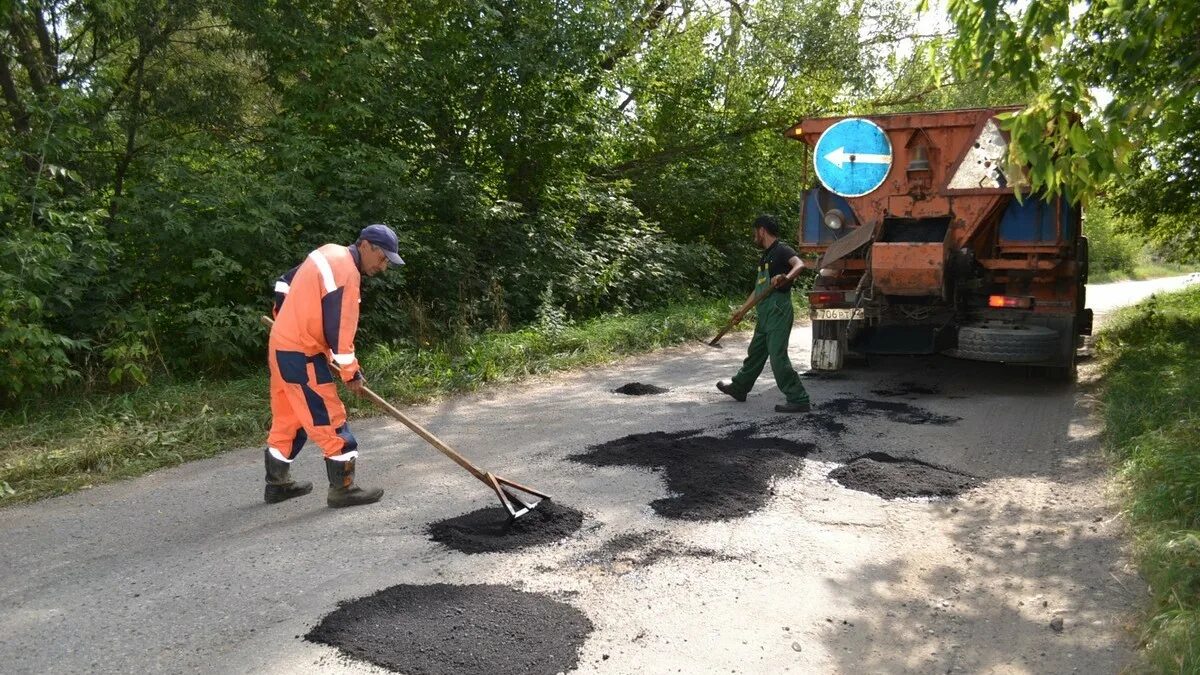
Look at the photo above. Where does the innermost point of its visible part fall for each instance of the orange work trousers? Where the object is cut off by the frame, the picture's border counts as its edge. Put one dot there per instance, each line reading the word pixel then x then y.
pixel 304 405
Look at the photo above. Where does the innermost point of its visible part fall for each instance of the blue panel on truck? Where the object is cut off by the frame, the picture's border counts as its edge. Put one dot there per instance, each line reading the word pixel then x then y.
pixel 1033 220
pixel 1070 215
pixel 814 232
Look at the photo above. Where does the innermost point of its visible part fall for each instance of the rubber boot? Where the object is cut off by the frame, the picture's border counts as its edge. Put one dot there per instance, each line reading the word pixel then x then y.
pixel 342 490
pixel 280 485
pixel 728 389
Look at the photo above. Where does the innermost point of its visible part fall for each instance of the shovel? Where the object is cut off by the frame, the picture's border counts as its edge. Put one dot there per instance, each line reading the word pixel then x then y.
pixel 716 342
pixel 496 483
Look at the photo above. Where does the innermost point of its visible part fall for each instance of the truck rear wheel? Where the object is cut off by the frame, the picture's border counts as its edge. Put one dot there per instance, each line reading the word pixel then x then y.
pixel 1008 343
pixel 1068 346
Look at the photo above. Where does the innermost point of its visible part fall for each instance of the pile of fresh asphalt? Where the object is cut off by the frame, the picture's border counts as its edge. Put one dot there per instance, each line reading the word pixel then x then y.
pixel 711 478
pixel 490 530
pixel 893 478
pixel 639 389
pixel 443 629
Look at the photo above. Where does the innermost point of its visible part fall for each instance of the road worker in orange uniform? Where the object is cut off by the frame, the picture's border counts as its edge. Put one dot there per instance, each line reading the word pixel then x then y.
pixel 316 316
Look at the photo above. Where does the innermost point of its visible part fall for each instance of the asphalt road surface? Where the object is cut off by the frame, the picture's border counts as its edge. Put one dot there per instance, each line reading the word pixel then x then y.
pixel 186 570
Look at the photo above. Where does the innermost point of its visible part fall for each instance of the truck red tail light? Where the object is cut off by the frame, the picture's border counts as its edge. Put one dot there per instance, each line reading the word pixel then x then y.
pixel 1009 301
pixel 818 298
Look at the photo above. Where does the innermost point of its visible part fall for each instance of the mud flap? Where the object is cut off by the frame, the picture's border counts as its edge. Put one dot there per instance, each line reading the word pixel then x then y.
pixel 1085 322
pixel 827 355
pixel 829 345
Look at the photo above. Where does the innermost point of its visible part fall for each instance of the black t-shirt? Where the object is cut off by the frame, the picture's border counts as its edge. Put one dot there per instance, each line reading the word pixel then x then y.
pixel 775 259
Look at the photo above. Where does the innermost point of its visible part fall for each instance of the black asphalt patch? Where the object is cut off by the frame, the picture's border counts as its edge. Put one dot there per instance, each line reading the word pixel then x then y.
pixel 712 478
pixel 895 411
pixel 824 375
pixel 639 389
pixel 908 389
pixel 442 629
pixel 892 478
pixel 642 549
pixel 491 530
pixel 825 424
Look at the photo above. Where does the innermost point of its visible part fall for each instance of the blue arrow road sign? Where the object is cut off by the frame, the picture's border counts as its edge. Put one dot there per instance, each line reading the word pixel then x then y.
pixel 853 157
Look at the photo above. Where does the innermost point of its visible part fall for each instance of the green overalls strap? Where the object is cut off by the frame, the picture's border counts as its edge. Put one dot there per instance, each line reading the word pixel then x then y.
pixel 770 341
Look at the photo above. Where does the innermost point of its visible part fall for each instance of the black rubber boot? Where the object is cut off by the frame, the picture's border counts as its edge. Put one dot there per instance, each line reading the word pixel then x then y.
pixel 728 389
pixel 793 408
pixel 280 486
pixel 342 490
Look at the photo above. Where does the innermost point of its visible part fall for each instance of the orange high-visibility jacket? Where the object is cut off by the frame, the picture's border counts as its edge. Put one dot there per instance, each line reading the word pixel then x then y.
pixel 320 315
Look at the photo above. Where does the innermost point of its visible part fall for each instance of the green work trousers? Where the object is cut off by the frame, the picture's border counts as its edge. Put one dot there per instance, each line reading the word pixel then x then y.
pixel 770 340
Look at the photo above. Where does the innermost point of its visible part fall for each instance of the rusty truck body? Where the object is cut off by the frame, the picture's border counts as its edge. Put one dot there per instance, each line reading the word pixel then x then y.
pixel 922 246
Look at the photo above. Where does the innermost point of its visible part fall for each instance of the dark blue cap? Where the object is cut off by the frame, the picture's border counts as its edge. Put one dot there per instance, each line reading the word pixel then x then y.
pixel 383 237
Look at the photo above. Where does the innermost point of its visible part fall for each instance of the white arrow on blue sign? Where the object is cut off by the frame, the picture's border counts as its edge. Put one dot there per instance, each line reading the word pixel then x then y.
pixel 853 157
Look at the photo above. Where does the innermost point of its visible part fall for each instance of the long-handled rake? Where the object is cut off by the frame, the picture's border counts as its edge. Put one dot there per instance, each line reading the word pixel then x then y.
pixel 716 342
pixel 501 486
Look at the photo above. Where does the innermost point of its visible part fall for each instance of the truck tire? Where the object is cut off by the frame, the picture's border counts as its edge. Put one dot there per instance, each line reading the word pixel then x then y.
pixel 1008 343
pixel 1065 371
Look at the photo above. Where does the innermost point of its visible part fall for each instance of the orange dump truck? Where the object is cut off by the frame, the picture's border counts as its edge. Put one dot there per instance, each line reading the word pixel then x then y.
pixel 922 247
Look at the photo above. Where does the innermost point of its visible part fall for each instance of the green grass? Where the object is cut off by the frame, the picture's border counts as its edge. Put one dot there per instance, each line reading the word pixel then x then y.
pixel 1146 270
pixel 1151 359
pixel 68 442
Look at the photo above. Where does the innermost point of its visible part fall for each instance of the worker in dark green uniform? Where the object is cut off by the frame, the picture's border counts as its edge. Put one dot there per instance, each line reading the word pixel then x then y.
pixel 777 269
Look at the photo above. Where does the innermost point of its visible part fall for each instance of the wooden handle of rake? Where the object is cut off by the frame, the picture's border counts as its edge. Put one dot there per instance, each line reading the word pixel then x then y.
pixel 745 308
pixel 416 428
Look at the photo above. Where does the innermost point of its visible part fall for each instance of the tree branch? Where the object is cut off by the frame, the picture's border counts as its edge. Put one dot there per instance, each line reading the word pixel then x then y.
pixel 49 55
pixel 26 55
pixel 666 155
pixel 12 98
pixel 130 132
pixel 644 27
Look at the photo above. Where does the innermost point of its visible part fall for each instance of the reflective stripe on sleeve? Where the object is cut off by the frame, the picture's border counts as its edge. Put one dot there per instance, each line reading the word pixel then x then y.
pixel 344 359
pixel 282 287
pixel 326 271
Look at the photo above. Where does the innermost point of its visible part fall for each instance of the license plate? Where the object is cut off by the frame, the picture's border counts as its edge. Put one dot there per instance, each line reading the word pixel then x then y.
pixel 837 314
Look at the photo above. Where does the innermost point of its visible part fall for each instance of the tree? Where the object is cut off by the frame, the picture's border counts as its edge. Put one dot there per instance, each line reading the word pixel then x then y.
pixel 1066 57
pixel 1161 195
pixel 165 160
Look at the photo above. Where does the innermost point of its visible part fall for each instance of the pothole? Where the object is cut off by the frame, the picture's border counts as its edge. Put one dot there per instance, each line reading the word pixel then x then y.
pixel 444 629
pixel 893 478
pixel 490 530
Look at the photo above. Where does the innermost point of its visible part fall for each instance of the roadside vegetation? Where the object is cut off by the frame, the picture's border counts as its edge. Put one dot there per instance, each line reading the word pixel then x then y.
pixel 1120 251
pixel 1151 406
pixel 53 445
